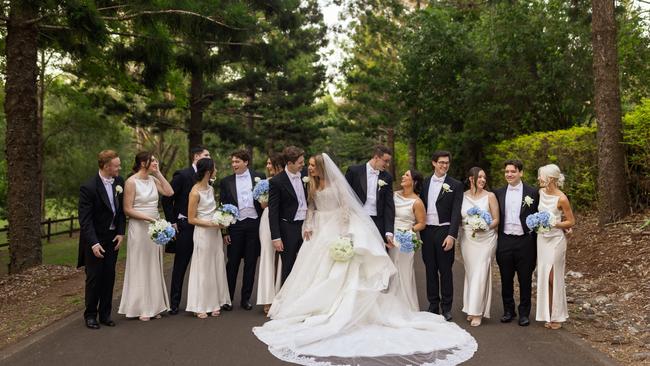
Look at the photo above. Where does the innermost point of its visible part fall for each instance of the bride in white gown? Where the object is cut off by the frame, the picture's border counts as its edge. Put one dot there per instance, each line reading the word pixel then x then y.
pixel 339 313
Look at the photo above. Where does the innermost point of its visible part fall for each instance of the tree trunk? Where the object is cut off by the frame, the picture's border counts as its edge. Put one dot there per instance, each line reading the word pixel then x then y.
pixel 23 138
pixel 250 123
pixel 195 130
pixel 41 109
pixel 390 142
pixel 613 197
pixel 413 153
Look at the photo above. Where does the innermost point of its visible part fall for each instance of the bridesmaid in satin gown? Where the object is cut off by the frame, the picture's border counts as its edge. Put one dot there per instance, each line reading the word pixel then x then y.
pixel 144 294
pixel 551 249
pixel 269 280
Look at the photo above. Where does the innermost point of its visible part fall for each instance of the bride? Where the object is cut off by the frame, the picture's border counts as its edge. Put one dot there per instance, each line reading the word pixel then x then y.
pixel 339 313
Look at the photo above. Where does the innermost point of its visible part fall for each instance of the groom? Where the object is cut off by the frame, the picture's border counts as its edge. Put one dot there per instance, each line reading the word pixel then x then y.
pixel 374 187
pixel 516 245
pixel 103 223
pixel 175 208
pixel 288 207
pixel 442 196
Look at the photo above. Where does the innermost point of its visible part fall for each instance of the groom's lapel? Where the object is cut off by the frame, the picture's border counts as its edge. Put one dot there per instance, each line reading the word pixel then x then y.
pixel 232 185
pixel 115 200
pixel 287 185
pixel 502 200
pixel 102 192
pixel 442 190
pixel 363 179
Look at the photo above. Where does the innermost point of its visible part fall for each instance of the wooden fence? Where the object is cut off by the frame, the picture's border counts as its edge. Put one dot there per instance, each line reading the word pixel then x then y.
pixel 47 231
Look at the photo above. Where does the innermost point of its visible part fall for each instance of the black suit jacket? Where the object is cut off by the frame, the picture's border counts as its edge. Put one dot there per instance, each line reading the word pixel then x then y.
pixel 525 209
pixel 283 202
pixel 357 179
pixel 448 204
pixel 96 214
pixel 182 183
pixel 228 190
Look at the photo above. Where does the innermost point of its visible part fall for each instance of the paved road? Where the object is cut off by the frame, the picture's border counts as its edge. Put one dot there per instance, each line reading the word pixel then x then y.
pixel 228 340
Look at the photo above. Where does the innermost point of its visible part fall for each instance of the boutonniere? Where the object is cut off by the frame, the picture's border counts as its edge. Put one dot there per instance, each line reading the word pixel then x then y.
pixel 257 179
pixel 527 201
pixel 381 183
pixel 118 189
pixel 446 188
pixel 305 180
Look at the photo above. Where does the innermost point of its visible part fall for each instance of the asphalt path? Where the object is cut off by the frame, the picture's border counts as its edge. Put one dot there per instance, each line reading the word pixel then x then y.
pixel 228 339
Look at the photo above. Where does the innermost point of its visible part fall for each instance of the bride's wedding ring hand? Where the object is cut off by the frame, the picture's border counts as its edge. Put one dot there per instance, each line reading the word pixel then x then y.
pixel 279 247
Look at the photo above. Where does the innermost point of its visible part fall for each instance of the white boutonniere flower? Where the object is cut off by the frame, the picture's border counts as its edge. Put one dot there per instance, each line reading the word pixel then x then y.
pixel 381 183
pixel 257 179
pixel 446 188
pixel 528 201
pixel 305 180
pixel 118 189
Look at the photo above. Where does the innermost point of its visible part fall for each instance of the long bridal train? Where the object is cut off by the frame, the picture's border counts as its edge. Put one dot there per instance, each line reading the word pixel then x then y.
pixel 339 313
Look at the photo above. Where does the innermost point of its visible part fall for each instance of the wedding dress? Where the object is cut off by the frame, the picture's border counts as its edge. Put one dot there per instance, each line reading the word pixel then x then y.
pixel 340 313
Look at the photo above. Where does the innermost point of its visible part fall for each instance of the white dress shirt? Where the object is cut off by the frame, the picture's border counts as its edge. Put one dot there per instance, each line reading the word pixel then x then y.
pixel 296 182
pixel 108 185
pixel 434 191
pixel 245 201
pixel 372 177
pixel 514 202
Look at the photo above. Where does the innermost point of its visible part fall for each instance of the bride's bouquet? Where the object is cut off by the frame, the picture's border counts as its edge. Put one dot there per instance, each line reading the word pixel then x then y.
pixel 478 219
pixel 161 232
pixel 226 215
pixel 541 222
pixel 341 249
pixel 261 191
pixel 408 241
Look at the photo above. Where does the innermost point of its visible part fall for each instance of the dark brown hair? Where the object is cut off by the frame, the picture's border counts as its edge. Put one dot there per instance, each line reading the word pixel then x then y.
pixel 418 179
pixel 276 161
pixel 472 175
pixel 291 154
pixel 142 157
pixel 515 162
pixel 439 154
pixel 241 154
pixel 105 156
pixel 380 151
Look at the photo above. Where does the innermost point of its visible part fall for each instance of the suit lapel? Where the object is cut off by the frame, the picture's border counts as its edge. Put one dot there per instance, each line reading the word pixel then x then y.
pixel 115 200
pixel 502 201
pixel 102 192
pixel 287 185
pixel 232 185
pixel 363 180
pixel 442 192
pixel 425 191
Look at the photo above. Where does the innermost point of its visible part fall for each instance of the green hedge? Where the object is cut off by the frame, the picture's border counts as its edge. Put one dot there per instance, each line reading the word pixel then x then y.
pixel 573 150
pixel 636 135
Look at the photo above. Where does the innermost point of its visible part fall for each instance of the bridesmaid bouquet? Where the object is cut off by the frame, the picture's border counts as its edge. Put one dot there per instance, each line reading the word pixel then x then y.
pixel 161 232
pixel 341 249
pixel 478 219
pixel 541 222
pixel 408 241
pixel 226 215
pixel 261 191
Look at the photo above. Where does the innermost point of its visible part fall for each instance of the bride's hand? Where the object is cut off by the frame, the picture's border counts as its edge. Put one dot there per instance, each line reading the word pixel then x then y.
pixel 306 235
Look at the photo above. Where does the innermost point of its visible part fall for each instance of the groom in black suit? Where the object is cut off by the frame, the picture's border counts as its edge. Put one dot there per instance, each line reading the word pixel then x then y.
pixel 516 244
pixel 443 197
pixel 374 187
pixel 175 208
pixel 288 207
pixel 243 237
pixel 103 223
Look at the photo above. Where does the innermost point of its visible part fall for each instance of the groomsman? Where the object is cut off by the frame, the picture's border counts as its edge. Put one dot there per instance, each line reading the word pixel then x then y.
pixel 288 207
pixel 175 208
pixel 243 237
pixel 516 245
pixel 103 223
pixel 442 196
pixel 374 187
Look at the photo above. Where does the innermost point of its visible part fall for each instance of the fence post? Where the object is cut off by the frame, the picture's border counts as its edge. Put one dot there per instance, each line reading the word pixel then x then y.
pixel 71 224
pixel 49 229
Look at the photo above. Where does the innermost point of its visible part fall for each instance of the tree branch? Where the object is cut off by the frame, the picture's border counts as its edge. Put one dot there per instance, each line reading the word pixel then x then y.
pixel 171 11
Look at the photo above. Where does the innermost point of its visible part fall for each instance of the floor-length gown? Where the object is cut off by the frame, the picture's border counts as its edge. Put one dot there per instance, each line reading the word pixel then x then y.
pixel 144 292
pixel 403 283
pixel 478 252
pixel 338 313
pixel 551 255
pixel 207 288
pixel 269 273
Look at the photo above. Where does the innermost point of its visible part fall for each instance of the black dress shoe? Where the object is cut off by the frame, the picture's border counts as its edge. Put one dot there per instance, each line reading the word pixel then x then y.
pixel 108 322
pixel 246 305
pixel 92 323
pixel 434 309
pixel 226 307
pixel 507 317
pixel 447 315
pixel 524 321
pixel 173 311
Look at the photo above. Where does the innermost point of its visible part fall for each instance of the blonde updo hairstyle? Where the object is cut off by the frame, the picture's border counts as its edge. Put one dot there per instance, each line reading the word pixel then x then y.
pixel 551 172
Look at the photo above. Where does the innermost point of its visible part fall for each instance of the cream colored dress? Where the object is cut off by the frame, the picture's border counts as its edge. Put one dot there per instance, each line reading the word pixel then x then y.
pixel 551 255
pixel 269 280
pixel 207 288
pixel 403 283
pixel 478 253
pixel 144 292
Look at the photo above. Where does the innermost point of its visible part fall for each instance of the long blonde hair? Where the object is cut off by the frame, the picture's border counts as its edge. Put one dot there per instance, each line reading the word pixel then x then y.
pixel 316 181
